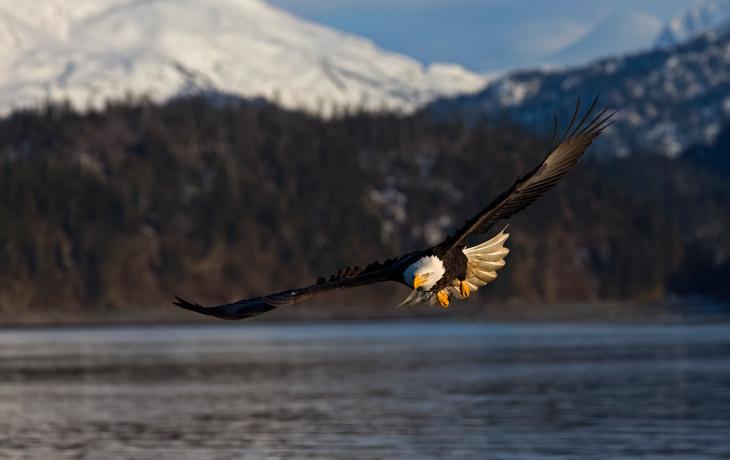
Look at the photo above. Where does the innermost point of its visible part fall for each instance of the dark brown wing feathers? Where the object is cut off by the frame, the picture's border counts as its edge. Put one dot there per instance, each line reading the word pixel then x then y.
pixel 564 153
pixel 344 279
pixel 236 310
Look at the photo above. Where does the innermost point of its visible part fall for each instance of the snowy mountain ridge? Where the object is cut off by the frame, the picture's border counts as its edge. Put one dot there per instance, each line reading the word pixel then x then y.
pixel 634 30
pixel 668 99
pixel 701 18
pixel 91 51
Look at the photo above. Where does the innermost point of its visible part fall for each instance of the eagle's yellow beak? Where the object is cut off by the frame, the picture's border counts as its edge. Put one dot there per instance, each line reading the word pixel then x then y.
pixel 418 280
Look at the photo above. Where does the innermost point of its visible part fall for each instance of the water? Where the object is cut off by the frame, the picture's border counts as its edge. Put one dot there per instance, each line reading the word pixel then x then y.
pixel 366 391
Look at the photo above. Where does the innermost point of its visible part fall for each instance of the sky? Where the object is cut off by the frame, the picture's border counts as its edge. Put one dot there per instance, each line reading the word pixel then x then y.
pixel 494 35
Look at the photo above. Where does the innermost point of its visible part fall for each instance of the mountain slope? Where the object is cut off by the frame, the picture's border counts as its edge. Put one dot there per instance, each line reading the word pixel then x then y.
pixel 668 99
pixel 90 51
pixel 696 20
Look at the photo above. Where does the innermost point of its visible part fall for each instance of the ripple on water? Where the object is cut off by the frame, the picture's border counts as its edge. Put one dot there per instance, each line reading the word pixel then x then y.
pixel 361 391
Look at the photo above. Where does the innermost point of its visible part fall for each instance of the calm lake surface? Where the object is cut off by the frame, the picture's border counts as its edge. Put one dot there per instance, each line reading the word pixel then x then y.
pixel 366 391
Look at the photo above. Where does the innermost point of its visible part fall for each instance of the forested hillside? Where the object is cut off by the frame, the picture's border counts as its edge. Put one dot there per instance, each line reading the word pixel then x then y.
pixel 123 209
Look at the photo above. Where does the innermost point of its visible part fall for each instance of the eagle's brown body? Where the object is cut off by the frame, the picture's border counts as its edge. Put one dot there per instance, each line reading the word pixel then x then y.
pixel 455 263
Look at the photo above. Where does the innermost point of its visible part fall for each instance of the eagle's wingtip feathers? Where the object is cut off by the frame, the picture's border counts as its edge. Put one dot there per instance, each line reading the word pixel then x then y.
pixel 182 303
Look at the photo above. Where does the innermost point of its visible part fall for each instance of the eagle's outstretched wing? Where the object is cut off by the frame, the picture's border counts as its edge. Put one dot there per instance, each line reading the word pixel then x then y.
pixel 564 153
pixel 348 278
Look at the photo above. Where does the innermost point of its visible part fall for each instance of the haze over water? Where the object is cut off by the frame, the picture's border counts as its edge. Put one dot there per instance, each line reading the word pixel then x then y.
pixel 366 391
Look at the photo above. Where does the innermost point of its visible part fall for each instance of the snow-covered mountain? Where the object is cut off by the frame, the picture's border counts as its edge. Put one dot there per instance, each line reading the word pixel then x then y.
pixel 89 51
pixel 633 30
pixel 702 17
pixel 668 99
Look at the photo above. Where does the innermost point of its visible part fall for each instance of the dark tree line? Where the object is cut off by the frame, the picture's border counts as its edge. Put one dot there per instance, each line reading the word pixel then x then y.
pixel 123 208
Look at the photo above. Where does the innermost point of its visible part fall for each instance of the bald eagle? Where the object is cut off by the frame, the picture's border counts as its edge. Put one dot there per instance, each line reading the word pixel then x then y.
pixel 451 268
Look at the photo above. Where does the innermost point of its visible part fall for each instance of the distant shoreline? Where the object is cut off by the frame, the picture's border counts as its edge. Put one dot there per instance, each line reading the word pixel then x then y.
pixel 677 311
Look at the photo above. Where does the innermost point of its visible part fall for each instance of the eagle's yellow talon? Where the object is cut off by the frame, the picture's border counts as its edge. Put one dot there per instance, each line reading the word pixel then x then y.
pixel 443 298
pixel 464 289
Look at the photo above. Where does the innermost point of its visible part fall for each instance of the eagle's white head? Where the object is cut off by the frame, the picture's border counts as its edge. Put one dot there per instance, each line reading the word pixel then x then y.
pixel 424 273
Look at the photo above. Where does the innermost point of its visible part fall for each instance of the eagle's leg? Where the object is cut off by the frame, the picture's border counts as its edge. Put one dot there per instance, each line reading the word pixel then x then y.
pixel 464 289
pixel 443 297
